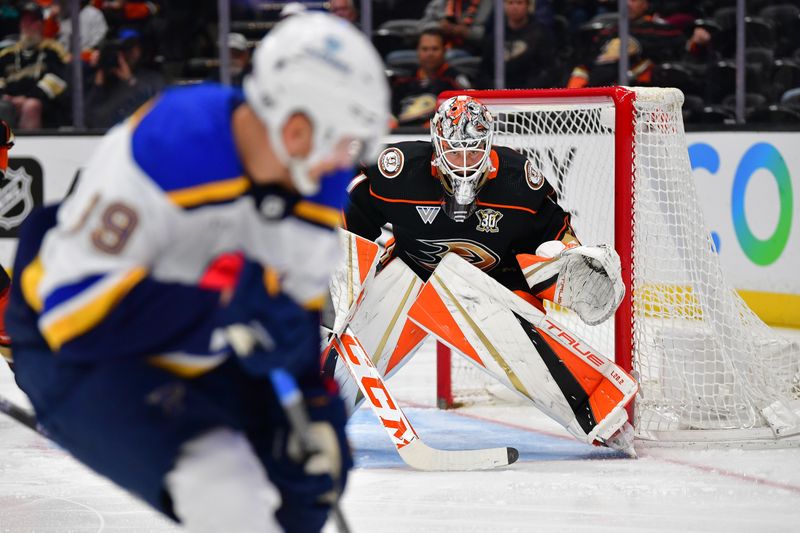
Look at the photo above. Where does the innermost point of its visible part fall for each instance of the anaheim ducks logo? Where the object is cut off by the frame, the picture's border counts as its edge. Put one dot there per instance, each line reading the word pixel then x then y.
pixel 433 251
pixel 390 162
pixel 534 178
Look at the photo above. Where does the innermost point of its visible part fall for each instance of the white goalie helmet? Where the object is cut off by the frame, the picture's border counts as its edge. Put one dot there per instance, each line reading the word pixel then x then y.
pixel 321 66
pixel 461 131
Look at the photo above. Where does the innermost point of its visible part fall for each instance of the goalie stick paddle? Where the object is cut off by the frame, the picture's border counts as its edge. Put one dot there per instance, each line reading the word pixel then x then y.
pixel 410 447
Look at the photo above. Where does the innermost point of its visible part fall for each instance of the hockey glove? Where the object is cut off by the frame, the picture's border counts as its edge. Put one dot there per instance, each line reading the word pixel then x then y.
pixel 267 331
pixel 317 448
pixel 590 282
pixel 325 459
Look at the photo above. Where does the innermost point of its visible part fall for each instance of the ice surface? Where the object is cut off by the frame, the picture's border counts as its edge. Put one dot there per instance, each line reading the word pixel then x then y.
pixel 557 485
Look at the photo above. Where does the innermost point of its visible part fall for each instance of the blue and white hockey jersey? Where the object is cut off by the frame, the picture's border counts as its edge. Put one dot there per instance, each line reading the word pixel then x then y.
pixel 163 196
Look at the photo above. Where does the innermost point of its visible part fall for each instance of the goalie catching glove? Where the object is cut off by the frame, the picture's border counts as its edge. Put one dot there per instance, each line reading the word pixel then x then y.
pixel 589 278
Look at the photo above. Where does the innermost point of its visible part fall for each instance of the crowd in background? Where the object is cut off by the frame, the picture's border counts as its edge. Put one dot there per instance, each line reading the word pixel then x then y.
pixel 131 49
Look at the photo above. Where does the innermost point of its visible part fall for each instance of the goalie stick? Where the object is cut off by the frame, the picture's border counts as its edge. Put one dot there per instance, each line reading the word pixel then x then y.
pixel 361 260
pixel 21 415
pixel 412 450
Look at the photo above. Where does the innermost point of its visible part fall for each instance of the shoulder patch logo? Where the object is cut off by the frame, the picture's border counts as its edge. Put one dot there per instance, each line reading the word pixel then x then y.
pixel 487 220
pixel 428 213
pixel 534 178
pixel 390 162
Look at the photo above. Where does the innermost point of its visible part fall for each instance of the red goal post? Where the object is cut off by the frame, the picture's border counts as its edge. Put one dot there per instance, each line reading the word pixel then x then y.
pixel 617 158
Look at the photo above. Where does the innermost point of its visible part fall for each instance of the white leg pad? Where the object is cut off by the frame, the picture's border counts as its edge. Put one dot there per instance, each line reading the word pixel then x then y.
pixel 218 484
pixel 378 323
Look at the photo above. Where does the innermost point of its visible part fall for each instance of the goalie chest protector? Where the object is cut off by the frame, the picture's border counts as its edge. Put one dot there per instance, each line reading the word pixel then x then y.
pixel 516 211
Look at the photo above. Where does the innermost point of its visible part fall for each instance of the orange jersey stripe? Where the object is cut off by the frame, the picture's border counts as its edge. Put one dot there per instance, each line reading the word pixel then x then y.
pixel 503 206
pixel 400 201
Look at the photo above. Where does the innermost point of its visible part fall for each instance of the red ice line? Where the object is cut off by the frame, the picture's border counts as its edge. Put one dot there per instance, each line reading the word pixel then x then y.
pixel 703 468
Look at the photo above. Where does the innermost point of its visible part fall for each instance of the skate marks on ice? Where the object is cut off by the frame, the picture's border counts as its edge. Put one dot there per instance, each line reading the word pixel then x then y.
pixel 44 490
pixel 25 512
pixel 562 485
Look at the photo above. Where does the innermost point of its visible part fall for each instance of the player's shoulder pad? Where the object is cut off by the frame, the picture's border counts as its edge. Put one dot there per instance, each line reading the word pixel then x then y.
pixel 399 162
pixel 324 208
pixel 184 143
pixel 515 167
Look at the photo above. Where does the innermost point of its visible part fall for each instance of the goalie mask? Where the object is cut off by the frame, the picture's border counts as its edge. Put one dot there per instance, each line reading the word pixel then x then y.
pixel 461 131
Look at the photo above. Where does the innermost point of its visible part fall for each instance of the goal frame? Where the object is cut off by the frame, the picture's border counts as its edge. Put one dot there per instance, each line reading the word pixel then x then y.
pixel 624 179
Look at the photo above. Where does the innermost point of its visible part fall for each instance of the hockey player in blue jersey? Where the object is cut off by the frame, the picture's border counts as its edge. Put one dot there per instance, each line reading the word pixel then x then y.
pixel 139 365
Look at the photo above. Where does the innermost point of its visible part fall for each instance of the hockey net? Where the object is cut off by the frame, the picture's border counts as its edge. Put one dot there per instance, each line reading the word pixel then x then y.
pixel 709 368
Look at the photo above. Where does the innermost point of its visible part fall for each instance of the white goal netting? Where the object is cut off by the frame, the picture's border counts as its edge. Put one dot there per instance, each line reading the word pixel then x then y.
pixel 704 360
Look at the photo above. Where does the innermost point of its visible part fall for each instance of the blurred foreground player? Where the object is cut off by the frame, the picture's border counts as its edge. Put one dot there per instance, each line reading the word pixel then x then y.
pixel 6 142
pixel 134 359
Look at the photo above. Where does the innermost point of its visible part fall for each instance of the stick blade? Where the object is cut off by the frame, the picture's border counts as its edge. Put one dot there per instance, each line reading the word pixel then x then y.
pixel 420 456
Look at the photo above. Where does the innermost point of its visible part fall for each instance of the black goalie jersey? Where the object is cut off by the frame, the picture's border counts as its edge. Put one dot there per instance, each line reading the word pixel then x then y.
pixel 516 212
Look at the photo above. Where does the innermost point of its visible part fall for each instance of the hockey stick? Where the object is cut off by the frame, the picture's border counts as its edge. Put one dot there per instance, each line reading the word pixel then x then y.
pixel 346 292
pixel 412 450
pixel 21 415
pixel 291 399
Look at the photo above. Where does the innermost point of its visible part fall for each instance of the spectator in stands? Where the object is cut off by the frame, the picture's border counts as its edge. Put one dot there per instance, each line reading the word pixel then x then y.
pixel 32 73
pixel 130 13
pixel 529 51
pixel 460 21
pixel 121 83
pixel 93 27
pixel 145 17
pixel 579 12
pixel 344 9
pixel 240 58
pixel 651 40
pixel 700 46
pixel 680 13
pixel 51 11
pixel 414 97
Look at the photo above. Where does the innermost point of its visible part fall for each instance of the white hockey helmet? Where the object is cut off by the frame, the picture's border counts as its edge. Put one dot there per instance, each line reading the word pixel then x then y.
pixel 321 66
pixel 461 131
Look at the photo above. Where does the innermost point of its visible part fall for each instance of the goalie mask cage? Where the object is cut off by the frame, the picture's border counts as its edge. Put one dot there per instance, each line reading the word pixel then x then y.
pixel 710 370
